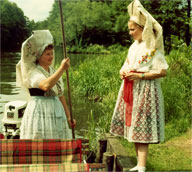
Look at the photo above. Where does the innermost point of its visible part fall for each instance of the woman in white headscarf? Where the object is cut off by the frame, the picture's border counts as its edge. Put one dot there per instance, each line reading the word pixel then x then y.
pixel 46 115
pixel 139 110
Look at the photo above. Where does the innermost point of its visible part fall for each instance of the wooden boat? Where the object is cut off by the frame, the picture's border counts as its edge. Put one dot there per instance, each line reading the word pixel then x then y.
pixel 45 154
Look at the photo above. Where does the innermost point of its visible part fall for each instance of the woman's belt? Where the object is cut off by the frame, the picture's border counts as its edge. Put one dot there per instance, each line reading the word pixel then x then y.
pixel 36 92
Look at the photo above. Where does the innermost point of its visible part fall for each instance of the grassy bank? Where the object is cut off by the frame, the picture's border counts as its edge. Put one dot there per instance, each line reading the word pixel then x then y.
pixel 96 49
pixel 173 155
pixel 98 79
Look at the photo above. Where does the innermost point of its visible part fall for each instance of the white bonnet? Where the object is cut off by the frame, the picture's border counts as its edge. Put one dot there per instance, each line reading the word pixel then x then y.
pixel 31 50
pixel 34 46
pixel 152 30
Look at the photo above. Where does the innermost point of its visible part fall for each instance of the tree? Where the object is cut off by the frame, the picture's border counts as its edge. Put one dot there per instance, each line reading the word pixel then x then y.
pixel 105 21
pixel 13 25
pixel 172 15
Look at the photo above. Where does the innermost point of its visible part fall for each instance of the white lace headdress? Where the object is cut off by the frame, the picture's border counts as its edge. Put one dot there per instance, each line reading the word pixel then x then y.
pixel 152 30
pixel 31 50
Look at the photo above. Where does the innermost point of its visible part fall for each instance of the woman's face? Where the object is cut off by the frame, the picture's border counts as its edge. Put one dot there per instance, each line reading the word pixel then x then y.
pixel 46 58
pixel 135 31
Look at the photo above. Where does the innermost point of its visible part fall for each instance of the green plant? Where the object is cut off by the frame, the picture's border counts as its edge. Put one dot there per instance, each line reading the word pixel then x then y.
pixel 92 132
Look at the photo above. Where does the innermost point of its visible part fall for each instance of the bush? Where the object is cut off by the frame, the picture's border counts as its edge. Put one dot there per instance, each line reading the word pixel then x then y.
pixel 95 48
pixel 115 48
pixel 177 92
pixel 92 49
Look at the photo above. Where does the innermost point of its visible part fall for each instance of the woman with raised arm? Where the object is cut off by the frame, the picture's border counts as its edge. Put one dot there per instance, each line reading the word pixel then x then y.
pixel 47 115
pixel 139 110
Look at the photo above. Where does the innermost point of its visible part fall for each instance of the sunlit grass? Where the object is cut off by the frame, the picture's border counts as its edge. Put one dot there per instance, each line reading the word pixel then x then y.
pixel 167 156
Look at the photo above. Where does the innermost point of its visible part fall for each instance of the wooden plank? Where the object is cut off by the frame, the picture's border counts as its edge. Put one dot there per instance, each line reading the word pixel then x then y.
pixel 97 165
pixel 123 162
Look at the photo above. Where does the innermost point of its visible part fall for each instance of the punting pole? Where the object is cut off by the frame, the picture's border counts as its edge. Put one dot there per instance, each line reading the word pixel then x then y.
pixel 65 56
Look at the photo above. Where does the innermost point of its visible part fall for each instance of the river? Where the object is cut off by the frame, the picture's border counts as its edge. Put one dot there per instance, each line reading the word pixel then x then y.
pixel 81 107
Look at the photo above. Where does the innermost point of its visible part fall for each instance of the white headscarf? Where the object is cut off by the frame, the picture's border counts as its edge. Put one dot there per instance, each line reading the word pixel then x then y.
pixel 32 50
pixel 152 30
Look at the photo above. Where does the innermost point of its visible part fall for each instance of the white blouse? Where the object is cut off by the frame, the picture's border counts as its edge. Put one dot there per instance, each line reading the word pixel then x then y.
pixel 39 74
pixel 141 59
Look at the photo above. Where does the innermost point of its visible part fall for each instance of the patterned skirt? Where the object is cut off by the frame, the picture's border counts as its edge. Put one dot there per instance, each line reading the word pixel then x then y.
pixel 44 118
pixel 147 123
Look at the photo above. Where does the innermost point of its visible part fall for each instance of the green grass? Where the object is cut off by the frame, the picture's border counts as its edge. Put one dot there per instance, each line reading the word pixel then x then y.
pixel 98 76
pixel 174 155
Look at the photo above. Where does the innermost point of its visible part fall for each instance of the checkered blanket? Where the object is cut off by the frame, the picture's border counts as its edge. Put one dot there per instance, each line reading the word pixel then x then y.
pixel 41 151
pixel 67 167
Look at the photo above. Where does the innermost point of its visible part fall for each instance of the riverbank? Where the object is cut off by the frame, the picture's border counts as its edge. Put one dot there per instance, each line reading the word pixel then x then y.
pixel 99 77
pixel 96 49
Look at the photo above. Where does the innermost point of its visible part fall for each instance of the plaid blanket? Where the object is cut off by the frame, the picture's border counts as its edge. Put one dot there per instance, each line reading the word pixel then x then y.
pixel 67 167
pixel 41 151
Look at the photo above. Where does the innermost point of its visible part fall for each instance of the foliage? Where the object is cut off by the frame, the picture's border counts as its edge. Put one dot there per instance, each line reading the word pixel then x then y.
pixel 177 91
pixel 115 48
pixel 14 25
pixel 102 22
pixel 98 75
pixel 92 48
pixel 92 135
pixel 105 22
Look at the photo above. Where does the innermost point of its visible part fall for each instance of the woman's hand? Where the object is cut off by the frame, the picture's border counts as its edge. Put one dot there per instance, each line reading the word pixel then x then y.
pixel 145 76
pixel 72 123
pixel 133 76
pixel 65 64
pixel 122 74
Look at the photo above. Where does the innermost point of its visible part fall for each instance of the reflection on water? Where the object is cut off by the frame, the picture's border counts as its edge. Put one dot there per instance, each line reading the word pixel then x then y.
pixel 9 88
pixel 8 74
pixel 81 107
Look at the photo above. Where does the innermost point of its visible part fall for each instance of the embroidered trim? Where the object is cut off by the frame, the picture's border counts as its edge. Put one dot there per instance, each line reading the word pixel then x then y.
pixel 146 58
pixel 30 51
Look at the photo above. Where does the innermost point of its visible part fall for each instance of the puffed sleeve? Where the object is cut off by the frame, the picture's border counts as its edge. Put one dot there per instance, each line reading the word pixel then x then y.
pixel 125 66
pixel 35 78
pixel 158 63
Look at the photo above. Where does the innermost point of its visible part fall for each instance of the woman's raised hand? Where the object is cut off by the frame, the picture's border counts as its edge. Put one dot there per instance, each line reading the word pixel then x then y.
pixel 65 64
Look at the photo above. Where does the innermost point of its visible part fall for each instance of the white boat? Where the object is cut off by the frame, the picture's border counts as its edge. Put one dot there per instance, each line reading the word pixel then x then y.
pixel 13 114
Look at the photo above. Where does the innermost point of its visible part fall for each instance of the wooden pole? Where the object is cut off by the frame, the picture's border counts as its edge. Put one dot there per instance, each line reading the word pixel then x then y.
pixel 65 56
